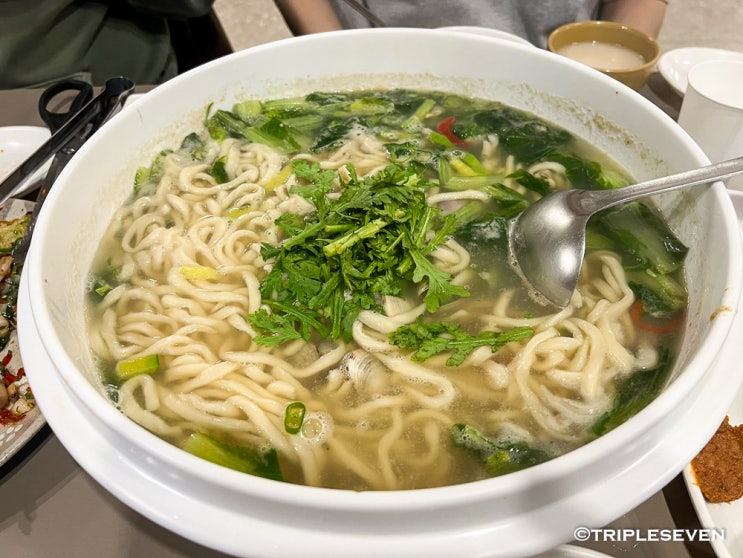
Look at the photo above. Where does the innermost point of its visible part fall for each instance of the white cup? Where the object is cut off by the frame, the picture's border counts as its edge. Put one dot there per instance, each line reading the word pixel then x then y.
pixel 712 111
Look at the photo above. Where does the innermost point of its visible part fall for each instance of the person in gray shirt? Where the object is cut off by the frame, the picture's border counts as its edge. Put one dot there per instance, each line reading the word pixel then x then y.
pixel 533 20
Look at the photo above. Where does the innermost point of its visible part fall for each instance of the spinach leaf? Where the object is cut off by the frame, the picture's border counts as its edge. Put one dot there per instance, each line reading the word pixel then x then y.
pixel 635 393
pixel 500 458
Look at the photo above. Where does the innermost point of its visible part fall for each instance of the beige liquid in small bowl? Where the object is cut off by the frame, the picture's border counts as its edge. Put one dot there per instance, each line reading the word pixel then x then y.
pixel 603 56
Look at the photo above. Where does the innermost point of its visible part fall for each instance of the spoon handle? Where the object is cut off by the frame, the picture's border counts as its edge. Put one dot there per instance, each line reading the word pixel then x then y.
pixel 596 200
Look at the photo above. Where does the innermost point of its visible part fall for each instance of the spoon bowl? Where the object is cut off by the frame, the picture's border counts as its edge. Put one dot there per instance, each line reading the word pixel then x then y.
pixel 547 241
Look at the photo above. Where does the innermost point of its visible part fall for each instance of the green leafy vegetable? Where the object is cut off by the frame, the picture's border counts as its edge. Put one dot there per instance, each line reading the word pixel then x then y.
pixel 219 171
pixel 146 178
pixel 661 295
pixel 635 393
pixel 277 134
pixel 373 240
pixel 408 153
pixel 509 202
pixel 485 235
pixel 530 182
pixel 332 135
pixel 9 289
pixel 527 137
pixel 272 131
pixel 103 282
pixel 500 458
pixel 194 144
pixel 428 340
pixel 509 458
pixel 643 238
pixel 651 253
pixel 324 98
pixel 141 178
pixel 247 110
pixel 240 458
pixel 588 175
pixel 223 124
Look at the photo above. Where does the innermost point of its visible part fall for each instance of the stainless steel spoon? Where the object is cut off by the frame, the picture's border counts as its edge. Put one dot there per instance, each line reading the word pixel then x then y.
pixel 547 241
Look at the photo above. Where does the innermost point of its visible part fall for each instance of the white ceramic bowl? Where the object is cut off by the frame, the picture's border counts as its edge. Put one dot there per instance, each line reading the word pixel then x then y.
pixel 520 514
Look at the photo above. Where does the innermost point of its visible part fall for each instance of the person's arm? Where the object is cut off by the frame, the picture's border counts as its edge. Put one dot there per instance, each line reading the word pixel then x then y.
pixel 645 15
pixel 308 16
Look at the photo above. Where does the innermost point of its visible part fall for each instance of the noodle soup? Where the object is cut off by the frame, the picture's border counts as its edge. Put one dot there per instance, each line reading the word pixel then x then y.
pixel 317 290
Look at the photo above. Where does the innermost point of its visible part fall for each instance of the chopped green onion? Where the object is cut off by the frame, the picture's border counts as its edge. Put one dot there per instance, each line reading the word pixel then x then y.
pixel 148 364
pixel 102 288
pixel 419 115
pixel 236 212
pixel 294 416
pixel 474 163
pixel 445 171
pixel 462 168
pixel 279 179
pixel 440 139
pixel 199 272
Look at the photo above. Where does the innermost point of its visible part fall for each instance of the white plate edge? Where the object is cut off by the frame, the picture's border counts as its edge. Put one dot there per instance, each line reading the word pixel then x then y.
pixel 667 66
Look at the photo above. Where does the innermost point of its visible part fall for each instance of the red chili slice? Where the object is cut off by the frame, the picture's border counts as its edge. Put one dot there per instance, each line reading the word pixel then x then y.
pixel 444 128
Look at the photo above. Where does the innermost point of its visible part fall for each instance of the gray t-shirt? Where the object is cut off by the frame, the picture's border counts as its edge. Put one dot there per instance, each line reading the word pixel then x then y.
pixel 533 20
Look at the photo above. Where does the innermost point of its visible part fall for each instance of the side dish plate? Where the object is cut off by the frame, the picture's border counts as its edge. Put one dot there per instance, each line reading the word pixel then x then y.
pixel 16 144
pixel 675 64
pixel 16 432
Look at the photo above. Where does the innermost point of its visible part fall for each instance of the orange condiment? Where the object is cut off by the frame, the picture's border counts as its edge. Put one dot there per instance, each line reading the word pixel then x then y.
pixel 718 468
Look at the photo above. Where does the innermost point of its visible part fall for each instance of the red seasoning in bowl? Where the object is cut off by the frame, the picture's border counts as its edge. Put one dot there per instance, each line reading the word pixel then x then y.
pixel 718 468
